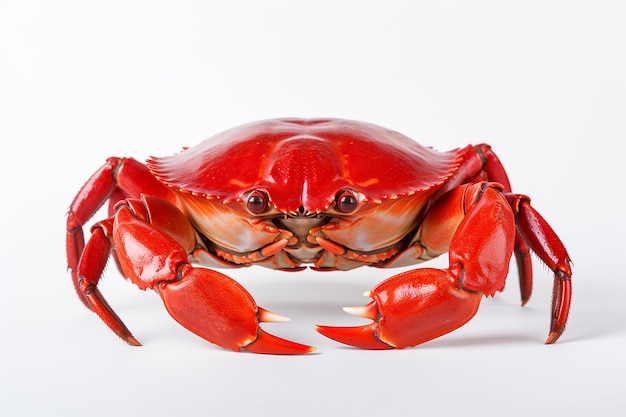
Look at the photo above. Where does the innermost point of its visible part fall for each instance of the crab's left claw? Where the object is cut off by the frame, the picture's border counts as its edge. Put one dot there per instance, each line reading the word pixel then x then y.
pixel 408 309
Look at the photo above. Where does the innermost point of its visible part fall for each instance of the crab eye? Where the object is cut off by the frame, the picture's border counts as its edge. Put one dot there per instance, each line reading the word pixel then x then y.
pixel 257 202
pixel 346 201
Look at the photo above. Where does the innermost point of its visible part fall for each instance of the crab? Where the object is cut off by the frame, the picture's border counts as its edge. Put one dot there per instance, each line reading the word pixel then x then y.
pixel 328 194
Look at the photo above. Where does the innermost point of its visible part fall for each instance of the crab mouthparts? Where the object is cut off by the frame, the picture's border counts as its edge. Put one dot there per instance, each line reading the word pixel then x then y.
pixel 300 225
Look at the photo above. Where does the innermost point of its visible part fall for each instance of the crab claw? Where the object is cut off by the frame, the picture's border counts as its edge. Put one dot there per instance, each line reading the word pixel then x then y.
pixel 408 309
pixel 218 309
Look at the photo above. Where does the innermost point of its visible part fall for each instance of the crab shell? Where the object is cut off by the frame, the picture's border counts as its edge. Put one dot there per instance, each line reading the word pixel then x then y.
pixel 301 166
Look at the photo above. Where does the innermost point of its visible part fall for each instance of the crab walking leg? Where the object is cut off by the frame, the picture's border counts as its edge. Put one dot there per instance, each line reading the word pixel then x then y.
pixel 116 179
pixel 542 239
pixel 152 239
pixel 88 200
pixel 88 273
pixel 413 307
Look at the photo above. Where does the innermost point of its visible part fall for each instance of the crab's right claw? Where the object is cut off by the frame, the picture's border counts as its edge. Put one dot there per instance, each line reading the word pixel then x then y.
pixel 408 309
pixel 218 309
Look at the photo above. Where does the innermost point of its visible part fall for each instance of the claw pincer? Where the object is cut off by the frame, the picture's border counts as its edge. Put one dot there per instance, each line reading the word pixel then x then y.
pixel 218 309
pixel 408 309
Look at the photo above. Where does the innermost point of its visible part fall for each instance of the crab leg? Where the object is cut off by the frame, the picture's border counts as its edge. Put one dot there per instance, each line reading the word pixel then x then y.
pixel 88 275
pixel 88 200
pixel 117 179
pixel 538 234
pixel 413 307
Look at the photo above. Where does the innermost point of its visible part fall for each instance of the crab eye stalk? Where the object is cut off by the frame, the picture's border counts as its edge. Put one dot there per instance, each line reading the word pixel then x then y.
pixel 346 201
pixel 257 202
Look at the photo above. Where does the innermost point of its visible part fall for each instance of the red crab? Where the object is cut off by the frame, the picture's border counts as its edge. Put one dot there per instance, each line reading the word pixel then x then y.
pixel 334 194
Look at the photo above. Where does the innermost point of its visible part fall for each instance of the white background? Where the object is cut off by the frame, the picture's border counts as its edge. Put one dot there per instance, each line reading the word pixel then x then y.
pixel 542 82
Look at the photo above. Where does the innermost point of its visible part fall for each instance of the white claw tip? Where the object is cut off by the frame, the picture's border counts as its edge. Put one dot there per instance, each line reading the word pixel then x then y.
pixel 355 311
pixel 368 311
pixel 269 317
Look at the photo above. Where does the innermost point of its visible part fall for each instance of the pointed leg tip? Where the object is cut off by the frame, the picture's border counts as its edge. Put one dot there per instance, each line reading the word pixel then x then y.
pixel 552 337
pixel 130 339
